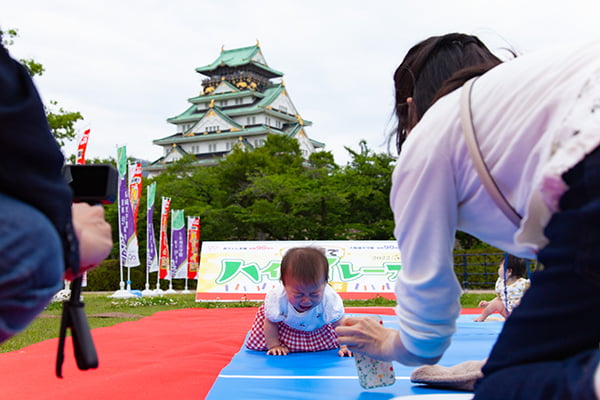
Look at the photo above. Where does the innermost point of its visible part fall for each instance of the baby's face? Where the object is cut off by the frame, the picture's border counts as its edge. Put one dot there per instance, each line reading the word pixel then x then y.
pixel 304 296
pixel 501 270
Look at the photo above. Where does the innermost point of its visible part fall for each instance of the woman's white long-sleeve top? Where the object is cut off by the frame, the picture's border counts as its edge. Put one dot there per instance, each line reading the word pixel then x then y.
pixel 535 117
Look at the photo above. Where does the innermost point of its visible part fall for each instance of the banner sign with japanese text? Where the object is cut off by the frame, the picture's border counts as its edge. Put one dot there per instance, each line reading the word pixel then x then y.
pixel 178 245
pixel 151 256
pixel 247 270
pixel 193 246
pixel 164 259
pixel 128 242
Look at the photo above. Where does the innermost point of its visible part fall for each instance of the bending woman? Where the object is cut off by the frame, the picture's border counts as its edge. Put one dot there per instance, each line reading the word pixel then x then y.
pixel 537 122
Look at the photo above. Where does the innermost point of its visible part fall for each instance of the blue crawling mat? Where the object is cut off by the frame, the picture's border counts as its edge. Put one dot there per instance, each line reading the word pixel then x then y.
pixel 325 375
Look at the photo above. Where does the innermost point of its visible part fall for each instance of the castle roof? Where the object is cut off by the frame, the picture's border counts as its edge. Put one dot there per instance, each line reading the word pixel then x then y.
pixel 250 56
pixel 261 104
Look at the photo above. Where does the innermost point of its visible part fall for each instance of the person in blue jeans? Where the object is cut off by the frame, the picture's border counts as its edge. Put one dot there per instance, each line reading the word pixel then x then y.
pixel 536 119
pixel 42 234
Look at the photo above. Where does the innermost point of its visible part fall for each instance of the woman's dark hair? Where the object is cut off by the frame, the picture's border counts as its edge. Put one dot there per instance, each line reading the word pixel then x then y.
pixel 517 266
pixel 306 264
pixel 433 68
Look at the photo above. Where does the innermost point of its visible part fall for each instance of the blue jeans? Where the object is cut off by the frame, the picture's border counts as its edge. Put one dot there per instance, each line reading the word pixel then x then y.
pixel 31 264
pixel 548 348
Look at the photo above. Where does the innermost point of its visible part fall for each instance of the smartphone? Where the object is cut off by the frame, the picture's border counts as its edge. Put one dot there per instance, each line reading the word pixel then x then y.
pixel 374 373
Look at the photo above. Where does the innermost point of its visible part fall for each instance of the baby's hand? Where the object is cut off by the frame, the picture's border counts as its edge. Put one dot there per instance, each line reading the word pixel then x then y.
pixel 483 304
pixel 279 350
pixel 344 351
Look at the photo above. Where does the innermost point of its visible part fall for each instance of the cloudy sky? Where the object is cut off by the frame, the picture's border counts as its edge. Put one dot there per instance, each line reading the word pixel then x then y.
pixel 129 65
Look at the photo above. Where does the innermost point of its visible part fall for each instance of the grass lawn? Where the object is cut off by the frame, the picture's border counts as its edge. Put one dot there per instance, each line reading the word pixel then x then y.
pixel 105 311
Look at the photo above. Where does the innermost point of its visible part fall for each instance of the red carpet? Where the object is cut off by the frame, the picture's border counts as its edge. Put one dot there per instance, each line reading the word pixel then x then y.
pixel 172 354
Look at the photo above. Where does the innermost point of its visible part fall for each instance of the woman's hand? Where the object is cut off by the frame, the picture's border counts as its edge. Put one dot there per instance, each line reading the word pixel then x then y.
pixel 367 336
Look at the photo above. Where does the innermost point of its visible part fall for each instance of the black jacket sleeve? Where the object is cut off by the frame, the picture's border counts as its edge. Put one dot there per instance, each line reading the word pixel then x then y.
pixel 30 159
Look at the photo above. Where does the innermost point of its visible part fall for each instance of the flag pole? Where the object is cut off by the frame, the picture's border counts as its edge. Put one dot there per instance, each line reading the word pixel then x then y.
pixel 150 239
pixel 170 290
pixel 186 290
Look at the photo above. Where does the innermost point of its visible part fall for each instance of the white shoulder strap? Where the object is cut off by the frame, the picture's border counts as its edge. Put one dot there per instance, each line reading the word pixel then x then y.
pixel 466 119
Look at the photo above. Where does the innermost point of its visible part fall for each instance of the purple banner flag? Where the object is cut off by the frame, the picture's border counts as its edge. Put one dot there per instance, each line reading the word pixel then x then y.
pixel 127 238
pixel 179 244
pixel 151 254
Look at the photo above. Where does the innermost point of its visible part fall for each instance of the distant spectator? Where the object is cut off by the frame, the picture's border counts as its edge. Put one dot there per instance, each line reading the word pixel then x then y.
pixel 511 284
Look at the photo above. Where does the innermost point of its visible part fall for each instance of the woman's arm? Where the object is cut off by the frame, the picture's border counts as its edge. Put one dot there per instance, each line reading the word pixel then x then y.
pixel 425 199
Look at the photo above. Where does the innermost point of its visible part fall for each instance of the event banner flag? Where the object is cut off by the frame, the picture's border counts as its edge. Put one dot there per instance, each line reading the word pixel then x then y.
pixel 135 190
pixel 163 251
pixel 127 238
pixel 193 247
pixel 252 268
pixel 179 245
pixel 80 160
pixel 151 256
pixel 83 141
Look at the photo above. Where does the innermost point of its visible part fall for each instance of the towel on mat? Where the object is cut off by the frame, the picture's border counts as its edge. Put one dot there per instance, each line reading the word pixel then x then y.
pixel 458 377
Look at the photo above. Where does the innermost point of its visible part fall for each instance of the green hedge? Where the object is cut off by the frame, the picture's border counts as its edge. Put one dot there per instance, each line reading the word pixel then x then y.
pixel 107 276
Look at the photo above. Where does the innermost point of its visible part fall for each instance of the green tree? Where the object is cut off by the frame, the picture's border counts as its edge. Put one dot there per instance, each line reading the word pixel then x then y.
pixel 273 193
pixel 61 122
pixel 366 184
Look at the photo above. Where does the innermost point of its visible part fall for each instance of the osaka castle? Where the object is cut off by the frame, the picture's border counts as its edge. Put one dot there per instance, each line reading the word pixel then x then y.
pixel 241 102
